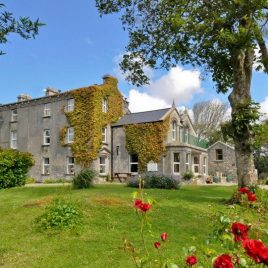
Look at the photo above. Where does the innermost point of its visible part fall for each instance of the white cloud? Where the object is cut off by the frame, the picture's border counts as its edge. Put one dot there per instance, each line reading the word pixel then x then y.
pixel 178 84
pixel 142 101
pixel 264 107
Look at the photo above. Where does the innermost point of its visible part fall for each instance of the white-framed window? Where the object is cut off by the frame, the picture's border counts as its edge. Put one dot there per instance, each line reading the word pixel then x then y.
pixel 104 105
pixel 13 139
pixel 70 165
pixel 104 134
pixel 176 163
pixel 219 154
pixel 103 165
pixel 70 105
pixel 14 115
pixel 196 164
pixel 46 137
pixel 204 165
pixel 186 135
pixel 46 163
pixel 47 110
pixel 174 130
pixel 133 163
pixel 70 135
pixel 187 161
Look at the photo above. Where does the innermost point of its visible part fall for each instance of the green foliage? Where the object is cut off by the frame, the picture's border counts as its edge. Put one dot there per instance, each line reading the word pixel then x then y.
pixel 88 119
pixel 154 181
pixel 60 214
pixel 147 141
pixel 243 121
pixel 187 175
pixel 23 27
pixel 14 166
pixel 203 33
pixel 84 179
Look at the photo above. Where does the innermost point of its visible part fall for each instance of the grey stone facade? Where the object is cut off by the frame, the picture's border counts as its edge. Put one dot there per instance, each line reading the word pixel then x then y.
pixel 222 162
pixel 190 157
pixel 34 125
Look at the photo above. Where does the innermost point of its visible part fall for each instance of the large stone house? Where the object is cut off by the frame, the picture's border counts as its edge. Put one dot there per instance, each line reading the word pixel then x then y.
pixel 66 131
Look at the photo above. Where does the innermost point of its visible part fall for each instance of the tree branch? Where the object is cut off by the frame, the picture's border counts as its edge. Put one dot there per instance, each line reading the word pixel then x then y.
pixel 263 49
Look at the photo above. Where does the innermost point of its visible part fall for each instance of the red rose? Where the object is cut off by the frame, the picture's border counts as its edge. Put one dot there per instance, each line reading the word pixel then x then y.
pixel 137 203
pixel 191 260
pixel 157 244
pixel 264 256
pixel 240 231
pixel 164 236
pixel 251 197
pixel 144 207
pixel 256 250
pixel 223 261
pixel 244 190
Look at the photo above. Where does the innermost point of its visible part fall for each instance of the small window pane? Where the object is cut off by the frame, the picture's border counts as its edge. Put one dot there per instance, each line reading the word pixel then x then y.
pixel 176 168
pixel 176 157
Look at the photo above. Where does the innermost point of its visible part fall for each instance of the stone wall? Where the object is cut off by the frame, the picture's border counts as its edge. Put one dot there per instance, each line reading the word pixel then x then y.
pixel 226 166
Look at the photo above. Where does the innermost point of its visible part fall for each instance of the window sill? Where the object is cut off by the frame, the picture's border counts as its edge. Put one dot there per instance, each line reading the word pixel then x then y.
pixel 14 121
pixel 45 145
pixel 47 174
pixel 46 116
pixel 69 174
pixel 103 174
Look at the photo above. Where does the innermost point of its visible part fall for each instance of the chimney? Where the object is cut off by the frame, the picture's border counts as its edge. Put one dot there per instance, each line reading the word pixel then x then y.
pixel 23 97
pixel 51 91
pixel 109 79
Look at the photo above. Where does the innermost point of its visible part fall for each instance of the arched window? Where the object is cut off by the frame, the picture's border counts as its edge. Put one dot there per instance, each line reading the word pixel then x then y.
pixel 174 130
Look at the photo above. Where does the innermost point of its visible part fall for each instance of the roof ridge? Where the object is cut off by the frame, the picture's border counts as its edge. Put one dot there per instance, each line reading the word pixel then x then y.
pixel 150 111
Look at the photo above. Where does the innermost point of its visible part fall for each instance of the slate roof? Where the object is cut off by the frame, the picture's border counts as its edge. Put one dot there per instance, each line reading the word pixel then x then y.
pixel 142 117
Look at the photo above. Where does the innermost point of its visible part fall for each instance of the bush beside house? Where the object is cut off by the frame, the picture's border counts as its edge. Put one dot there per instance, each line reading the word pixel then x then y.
pixel 14 166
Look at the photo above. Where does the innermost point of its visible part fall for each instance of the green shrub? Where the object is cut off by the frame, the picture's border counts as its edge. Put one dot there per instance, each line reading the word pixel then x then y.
pixel 187 175
pixel 84 179
pixel 60 214
pixel 14 166
pixel 155 181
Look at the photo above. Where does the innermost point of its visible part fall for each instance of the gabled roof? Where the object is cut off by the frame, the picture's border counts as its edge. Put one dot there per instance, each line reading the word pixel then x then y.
pixel 142 117
pixel 225 144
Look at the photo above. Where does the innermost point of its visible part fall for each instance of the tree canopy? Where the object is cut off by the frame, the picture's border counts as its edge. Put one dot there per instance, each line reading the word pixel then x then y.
pixel 200 32
pixel 221 36
pixel 23 26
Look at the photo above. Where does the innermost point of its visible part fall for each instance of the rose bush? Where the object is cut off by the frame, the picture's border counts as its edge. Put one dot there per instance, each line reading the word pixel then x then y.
pixel 238 249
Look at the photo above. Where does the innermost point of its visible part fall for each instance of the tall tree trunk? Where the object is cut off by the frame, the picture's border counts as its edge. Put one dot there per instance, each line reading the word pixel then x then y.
pixel 242 67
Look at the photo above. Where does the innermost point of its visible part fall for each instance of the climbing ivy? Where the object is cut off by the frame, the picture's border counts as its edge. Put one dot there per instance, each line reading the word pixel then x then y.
pixel 147 141
pixel 87 118
pixel 244 120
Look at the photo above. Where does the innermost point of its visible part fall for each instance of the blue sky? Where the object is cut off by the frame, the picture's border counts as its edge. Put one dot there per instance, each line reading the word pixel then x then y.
pixel 77 47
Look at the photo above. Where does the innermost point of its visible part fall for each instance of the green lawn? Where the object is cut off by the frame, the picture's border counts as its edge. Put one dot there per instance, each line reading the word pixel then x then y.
pixel 185 214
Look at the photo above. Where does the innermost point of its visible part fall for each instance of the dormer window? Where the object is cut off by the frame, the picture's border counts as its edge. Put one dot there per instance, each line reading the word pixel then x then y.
pixel 104 105
pixel 174 130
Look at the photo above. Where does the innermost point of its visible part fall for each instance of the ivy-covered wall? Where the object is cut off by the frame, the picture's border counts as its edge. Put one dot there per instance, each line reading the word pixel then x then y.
pixel 147 141
pixel 87 119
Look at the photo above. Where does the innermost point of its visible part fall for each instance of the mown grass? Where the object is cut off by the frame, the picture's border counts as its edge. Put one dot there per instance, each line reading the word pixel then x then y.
pixel 186 215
